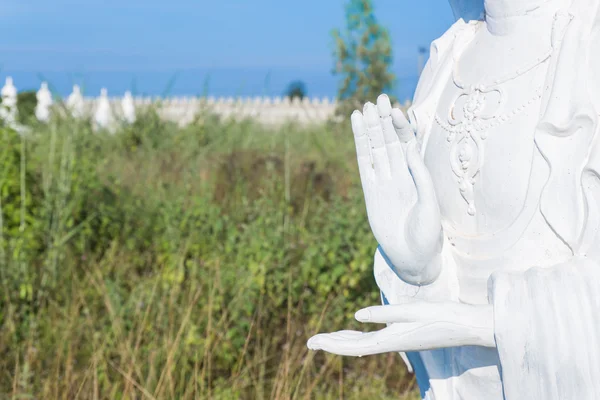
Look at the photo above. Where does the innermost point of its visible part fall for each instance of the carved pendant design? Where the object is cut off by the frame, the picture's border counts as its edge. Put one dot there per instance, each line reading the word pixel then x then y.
pixel 472 115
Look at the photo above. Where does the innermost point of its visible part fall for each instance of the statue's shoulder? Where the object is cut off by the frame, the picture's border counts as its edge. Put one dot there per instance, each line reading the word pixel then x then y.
pixel 460 30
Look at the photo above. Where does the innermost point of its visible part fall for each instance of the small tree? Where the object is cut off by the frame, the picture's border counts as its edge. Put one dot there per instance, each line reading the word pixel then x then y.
pixel 363 55
pixel 26 103
pixel 296 89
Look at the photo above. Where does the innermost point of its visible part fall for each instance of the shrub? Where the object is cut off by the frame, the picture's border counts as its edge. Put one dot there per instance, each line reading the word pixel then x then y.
pixel 183 263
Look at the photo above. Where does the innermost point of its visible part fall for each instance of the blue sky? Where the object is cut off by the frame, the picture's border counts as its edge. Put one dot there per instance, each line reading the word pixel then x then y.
pixel 227 47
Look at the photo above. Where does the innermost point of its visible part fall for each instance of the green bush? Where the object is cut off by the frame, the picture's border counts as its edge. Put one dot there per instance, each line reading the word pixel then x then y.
pixel 26 103
pixel 165 262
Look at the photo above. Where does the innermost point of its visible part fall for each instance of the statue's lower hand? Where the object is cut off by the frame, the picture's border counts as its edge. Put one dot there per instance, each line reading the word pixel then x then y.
pixel 415 326
pixel 399 194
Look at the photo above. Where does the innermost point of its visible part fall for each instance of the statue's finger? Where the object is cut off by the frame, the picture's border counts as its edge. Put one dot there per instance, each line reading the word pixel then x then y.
pixel 363 152
pixel 384 108
pixel 392 142
pixel 421 177
pixel 403 128
pixel 424 312
pixel 418 311
pixel 360 135
pixel 359 344
pixel 378 151
pixel 424 221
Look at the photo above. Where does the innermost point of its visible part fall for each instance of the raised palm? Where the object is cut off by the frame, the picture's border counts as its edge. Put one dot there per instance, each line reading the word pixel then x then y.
pixel 401 203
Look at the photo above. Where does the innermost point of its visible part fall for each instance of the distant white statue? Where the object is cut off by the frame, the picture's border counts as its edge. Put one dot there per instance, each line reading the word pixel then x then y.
pixel 485 202
pixel 103 117
pixel 128 108
pixel 75 103
pixel 8 108
pixel 44 102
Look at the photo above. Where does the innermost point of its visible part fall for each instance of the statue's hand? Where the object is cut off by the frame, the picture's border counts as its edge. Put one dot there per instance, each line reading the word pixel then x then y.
pixel 415 326
pixel 401 204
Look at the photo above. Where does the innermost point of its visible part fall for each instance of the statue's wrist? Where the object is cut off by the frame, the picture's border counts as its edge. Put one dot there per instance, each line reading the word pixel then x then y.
pixel 417 271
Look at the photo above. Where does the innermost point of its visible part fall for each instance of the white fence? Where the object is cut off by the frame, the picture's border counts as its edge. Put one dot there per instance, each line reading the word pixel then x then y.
pixel 106 110
pixel 267 110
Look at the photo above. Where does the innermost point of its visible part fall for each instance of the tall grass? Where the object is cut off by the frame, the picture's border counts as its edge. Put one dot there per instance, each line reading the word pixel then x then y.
pixel 184 263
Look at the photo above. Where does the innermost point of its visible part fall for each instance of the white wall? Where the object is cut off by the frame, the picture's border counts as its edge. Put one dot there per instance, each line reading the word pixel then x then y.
pixel 267 110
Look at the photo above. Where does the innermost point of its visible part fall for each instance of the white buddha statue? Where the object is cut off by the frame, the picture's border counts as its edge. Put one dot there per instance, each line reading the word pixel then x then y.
pixel 44 102
pixel 103 117
pixel 486 206
pixel 75 103
pixel 128 107
pixel 8 108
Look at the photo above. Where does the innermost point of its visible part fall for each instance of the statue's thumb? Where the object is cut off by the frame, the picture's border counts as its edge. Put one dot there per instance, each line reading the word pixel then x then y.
pixel 420 175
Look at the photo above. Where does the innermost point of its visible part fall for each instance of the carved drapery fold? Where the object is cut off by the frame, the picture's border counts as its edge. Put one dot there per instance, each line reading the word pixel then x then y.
pixel 547 331
pixel 569 124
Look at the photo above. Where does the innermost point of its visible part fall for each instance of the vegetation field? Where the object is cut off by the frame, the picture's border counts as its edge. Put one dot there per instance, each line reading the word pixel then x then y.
pixel 161 262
